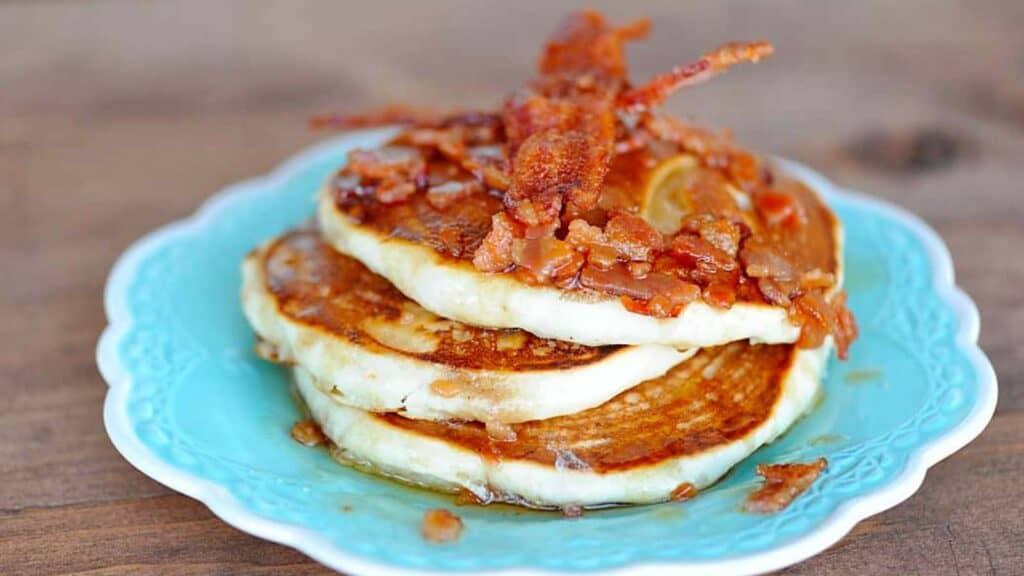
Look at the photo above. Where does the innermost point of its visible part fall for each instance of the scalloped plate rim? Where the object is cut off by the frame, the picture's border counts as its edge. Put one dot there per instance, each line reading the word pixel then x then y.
pixel 309 542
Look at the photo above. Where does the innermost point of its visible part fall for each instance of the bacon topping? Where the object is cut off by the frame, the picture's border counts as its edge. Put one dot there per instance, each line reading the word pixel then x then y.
pixel 782 484
pixel 547 154
pixel 308 433
pixel 440 526
pixel 391 174
pixel 546 258
pixel 683 492
pixel 495 252
pixel 714 62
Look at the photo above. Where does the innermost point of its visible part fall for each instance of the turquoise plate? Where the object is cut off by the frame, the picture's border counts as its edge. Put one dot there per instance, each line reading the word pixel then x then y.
pixel 191 406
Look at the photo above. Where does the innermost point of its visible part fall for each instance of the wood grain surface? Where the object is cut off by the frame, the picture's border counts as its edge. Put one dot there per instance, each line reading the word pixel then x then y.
pixel 116 117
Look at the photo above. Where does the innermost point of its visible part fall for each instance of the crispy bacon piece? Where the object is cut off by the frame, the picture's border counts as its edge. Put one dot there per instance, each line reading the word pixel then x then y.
pixel 761 260
pixel 495 252
pixel 561 148
pixel 815 317
pixel 817 278
pixel 656 294
pixel 845 331
pixel 715 150
pixel 632 237
pixel 818 318
pixel 694 139
pixel 561 133
pixel 308 433
pixel 547 258
pixel 583 235
pixel 683 492
pixel 719 60
pixel 591 240
pixel 489 164
pixel 553 165
pixel 720 232
pixel 779 208
pixel 392 173
pixel 626 237
pixel 695 253
pixel 720 294
pixel 585 46
pixel 468 149
pixel 440 525
pixel 782 484
pixel 448 141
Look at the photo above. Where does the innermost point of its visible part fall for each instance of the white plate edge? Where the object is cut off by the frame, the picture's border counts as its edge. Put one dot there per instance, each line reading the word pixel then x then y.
pixel 226 507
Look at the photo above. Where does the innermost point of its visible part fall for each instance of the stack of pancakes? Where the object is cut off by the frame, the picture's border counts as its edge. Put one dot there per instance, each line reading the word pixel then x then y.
pixel 420 367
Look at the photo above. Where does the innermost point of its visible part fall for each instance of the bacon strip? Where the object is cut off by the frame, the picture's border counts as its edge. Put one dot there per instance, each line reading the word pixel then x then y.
pixel 561 132
pixel 585 45
pixel 661 86
pixel 782 484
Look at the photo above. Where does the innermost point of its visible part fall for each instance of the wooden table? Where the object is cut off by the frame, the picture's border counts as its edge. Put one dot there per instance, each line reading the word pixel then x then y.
pixel 116 117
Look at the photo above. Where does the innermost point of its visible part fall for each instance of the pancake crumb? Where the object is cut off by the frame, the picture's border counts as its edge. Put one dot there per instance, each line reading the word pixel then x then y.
pixel 782 484
pixel 308 433
pixel 440 525
pixel 684 492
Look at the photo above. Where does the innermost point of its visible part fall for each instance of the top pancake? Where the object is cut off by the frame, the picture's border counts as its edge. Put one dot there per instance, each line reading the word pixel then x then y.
pixel 426 251
pixel 374 348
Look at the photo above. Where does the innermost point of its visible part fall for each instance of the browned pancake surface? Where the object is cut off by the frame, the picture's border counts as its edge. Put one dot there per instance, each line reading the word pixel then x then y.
pixel 718 396
pixel 320 287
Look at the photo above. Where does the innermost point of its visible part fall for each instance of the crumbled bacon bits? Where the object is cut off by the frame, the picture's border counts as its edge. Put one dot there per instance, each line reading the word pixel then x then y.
pixel 495 252
pixel 782 484
pixel 684 492
pixel 440 526
pixel 308 433
pixel 547 153
pixel 391 174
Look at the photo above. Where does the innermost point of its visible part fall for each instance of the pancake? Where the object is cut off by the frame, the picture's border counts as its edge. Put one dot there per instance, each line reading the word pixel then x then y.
pixel 687 427
pixel 427 252
pixel 370 347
